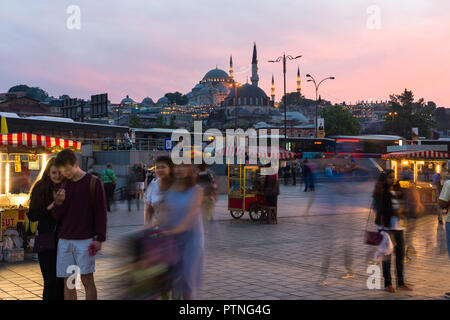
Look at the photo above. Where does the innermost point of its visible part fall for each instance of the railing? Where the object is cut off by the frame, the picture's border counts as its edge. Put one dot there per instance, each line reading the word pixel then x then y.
pixel 124 144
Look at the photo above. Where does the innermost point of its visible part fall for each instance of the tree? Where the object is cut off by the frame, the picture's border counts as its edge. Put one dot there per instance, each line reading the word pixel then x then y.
pixel 339 121
pixel 33 93
pixel 135 121
pixel 177 98
pixel 293 99
pixel 407 114
pixel 159 123
pixel 64 97
pixel 172 123
pixel 442 117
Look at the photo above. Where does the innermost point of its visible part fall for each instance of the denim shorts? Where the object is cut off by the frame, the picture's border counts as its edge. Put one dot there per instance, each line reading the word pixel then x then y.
pixel 74 253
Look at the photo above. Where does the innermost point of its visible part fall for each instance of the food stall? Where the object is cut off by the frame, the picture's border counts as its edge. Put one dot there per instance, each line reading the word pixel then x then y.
pixel 246 185
pixel 23 157
pixel 418 168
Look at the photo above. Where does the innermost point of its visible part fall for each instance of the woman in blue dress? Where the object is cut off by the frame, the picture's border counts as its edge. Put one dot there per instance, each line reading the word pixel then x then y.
pixel 182 217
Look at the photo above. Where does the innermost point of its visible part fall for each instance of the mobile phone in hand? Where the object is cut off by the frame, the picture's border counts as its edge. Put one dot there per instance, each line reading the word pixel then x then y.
pixel 92 250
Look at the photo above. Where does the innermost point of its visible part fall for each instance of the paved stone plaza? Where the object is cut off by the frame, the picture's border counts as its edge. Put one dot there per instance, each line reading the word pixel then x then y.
pixel 247 260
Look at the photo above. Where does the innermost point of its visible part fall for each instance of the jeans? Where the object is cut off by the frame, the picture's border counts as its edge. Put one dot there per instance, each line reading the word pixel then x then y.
pixel 397 238
pixel 109 193
pixel 309 182
pixel 129 198
pixel 53 286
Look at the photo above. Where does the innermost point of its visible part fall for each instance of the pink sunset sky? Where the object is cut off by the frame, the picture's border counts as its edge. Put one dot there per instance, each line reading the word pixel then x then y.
pixel 148 48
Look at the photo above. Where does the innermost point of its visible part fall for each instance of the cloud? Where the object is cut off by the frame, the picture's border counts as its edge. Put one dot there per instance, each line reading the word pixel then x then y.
pixel 148 48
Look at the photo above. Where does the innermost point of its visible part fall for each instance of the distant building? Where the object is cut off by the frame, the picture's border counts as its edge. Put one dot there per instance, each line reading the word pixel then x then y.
pixel 10 95
pixel 212 89
pixel 25 106
pixel 163 101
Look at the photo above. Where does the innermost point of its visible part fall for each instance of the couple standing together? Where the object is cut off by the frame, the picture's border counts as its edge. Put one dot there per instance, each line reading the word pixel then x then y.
pixel 70 206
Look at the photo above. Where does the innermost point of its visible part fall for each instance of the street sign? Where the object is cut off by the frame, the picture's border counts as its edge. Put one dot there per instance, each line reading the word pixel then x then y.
pixel 17 164
pixel 168 144
pixel 99 105
pixel 321 128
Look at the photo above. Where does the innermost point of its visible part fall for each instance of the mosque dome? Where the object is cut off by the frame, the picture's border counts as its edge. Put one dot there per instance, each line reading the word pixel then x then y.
pixel 248 94
pixel 216 75
pixel 297 116
pixel 163 100
pixel 247 91
pixel 148 101
pixel 127 100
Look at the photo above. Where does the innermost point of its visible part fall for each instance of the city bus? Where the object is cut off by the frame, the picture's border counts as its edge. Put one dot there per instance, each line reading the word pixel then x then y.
pixel 366 146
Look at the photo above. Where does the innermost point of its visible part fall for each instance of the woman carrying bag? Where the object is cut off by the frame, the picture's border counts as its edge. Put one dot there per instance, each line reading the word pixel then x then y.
pixel 41 204
pixel 387 219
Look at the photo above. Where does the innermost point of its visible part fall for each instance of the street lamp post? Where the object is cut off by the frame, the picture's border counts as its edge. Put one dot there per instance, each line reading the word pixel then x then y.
pixel 283 58
pixel 235 85
pixel 393 115
pixel 317 90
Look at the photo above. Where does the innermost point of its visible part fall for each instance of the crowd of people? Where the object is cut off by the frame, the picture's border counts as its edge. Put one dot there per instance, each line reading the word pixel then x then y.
pixel 71 206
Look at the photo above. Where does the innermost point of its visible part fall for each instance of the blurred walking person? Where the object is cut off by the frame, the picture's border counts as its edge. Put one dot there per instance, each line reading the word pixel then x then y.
pixel 158 187
pixel 294 174
pixel 387 219
pixel 182 217
pixel 206 180
pixel 308 176
pixel 140 181
pixel 108 178
pixel 271 193
pixel 341 187
pixel 438 187
pixel 130 188
pixel 413 211
pixel 286 174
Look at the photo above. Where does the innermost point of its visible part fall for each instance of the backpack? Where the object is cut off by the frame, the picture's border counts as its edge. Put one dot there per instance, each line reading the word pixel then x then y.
pixel 92 190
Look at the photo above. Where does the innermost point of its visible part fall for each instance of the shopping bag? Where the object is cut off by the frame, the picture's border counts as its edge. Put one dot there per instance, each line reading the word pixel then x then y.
pixel 371 237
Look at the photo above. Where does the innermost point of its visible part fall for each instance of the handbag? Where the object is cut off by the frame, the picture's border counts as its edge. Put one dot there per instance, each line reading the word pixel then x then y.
pixel 372 238
pixel 45 242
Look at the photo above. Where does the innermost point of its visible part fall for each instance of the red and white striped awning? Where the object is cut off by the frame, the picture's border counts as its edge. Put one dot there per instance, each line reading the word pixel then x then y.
pixel 241 151
pixel 33 140
pixel 418 155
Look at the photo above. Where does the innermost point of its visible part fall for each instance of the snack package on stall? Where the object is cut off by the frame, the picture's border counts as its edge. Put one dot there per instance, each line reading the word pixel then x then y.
pixel 13 255
pixel 8 243
pixel 11 232
pixel 18 242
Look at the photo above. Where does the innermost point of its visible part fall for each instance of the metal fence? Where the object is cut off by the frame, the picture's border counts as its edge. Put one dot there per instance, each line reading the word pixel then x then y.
pixel 122 144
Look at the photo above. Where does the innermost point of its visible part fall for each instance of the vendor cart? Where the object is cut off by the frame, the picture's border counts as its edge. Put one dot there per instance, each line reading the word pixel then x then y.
pixel 23 158
pixel 418 168
pixel 246 187
pixel 245 193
